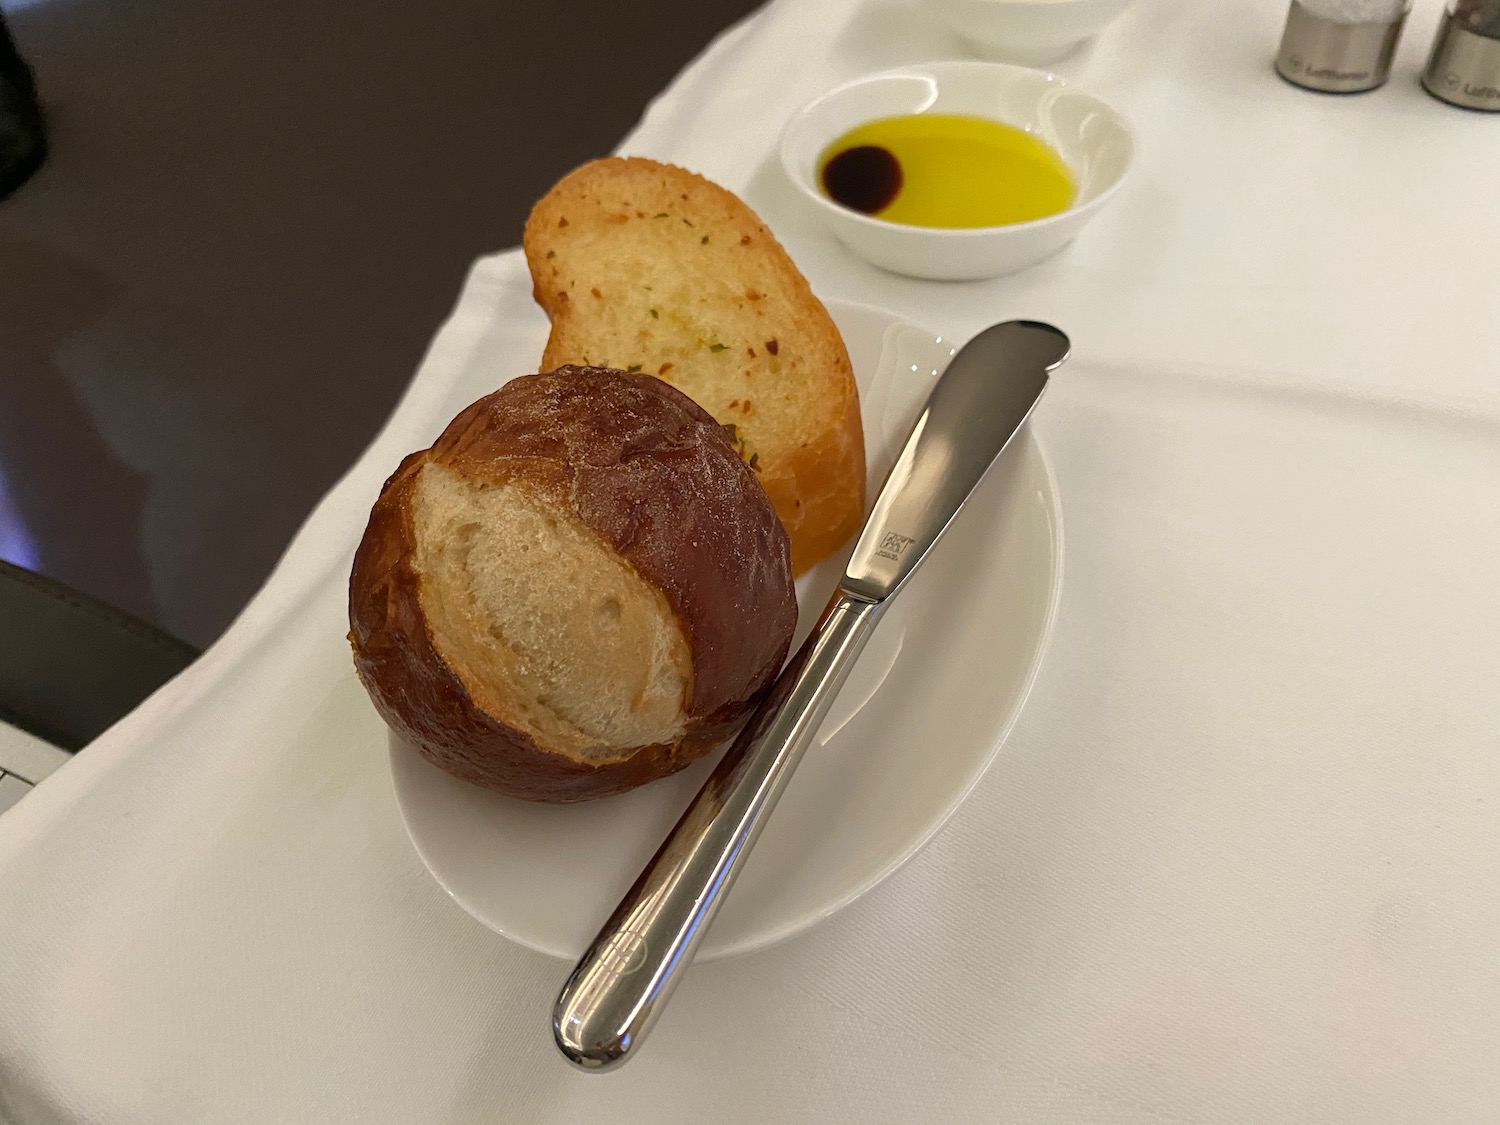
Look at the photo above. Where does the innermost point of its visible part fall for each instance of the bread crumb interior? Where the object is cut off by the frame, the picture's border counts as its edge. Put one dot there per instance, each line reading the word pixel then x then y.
pixel 547 628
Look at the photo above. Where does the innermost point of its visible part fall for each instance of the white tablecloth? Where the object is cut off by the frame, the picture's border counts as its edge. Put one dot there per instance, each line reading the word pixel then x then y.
pixel 1239 861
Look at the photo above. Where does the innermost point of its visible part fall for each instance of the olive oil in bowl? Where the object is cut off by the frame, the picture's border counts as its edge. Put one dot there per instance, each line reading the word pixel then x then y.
pixel 945 170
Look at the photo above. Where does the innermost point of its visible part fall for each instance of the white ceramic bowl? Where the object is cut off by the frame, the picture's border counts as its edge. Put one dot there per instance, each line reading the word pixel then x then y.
pixel 1094 141
pixel 1034 32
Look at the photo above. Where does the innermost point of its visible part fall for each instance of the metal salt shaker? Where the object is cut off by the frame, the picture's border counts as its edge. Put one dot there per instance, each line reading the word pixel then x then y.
pixel 1340 46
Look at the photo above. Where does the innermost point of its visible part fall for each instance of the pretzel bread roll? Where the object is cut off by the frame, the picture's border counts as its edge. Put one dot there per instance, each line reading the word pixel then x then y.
pixel 579 588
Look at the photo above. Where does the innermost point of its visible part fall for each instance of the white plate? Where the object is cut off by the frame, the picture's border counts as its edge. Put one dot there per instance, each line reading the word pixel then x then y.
pixel 953 661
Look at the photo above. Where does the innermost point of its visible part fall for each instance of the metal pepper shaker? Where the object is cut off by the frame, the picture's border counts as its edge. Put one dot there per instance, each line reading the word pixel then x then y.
pixel 1465 65
pixel 1340 46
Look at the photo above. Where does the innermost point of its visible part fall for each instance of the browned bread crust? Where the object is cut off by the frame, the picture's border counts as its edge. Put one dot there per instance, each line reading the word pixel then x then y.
pixel 647 266
pixel 656 479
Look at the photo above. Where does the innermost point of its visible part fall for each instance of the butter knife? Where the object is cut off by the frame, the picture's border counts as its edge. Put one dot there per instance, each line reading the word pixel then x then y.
pixel 619 988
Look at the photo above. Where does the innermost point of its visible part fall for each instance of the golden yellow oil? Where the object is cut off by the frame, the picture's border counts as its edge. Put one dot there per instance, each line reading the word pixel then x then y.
pixel 945 170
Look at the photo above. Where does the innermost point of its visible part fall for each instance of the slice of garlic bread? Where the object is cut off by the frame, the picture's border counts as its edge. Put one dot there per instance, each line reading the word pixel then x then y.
pixel 646 267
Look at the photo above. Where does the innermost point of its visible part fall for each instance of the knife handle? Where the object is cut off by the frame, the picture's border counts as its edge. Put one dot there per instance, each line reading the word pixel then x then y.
pixel 624 980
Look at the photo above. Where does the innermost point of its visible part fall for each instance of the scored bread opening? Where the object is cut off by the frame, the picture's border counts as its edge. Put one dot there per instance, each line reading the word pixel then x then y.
pixel 548 629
